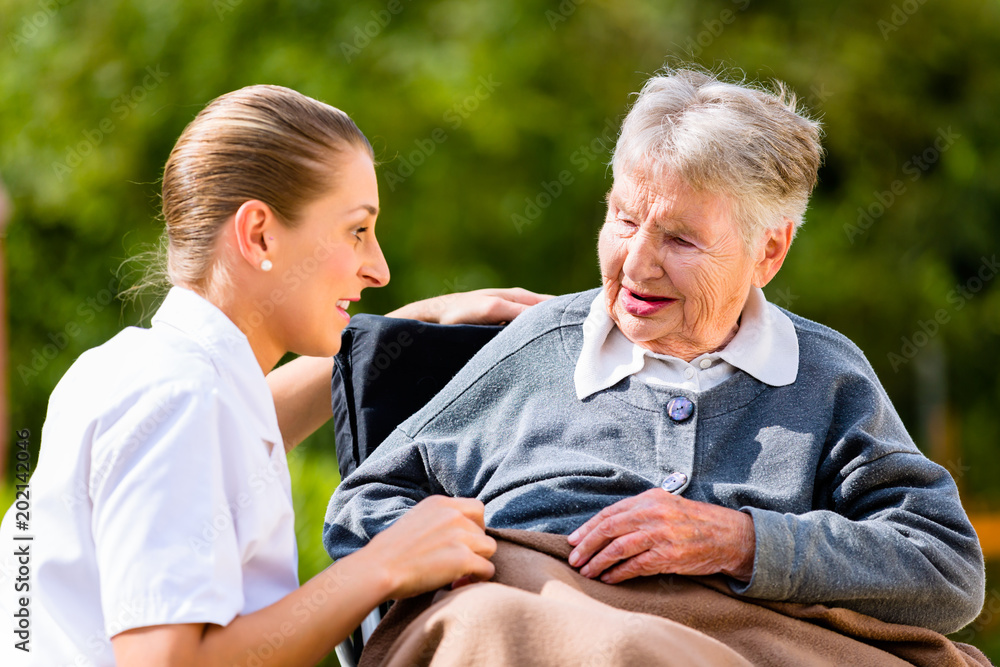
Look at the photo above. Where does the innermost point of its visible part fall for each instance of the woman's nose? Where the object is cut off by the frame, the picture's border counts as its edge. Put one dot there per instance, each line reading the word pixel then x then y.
pixel 643 261
pixel 375 270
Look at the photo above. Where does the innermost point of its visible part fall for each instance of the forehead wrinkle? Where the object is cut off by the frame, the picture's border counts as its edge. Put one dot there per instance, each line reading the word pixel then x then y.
pixel 670 204
pixel 671 213
pixel 637 201
pixel 671 208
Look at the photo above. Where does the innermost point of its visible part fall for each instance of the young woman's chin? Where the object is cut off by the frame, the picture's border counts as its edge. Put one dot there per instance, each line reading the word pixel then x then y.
pixel 325 344
pixel 331 346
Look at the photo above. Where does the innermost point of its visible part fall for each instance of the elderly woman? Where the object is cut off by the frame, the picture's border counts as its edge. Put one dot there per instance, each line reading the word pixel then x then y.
pixel 674 421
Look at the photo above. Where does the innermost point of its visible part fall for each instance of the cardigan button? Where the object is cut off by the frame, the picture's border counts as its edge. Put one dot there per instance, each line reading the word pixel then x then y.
pixel 674 481
pixel 679 408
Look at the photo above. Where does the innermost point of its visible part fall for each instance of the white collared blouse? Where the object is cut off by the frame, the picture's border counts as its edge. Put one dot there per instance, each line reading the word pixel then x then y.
pixel 765 346
pixel 162 492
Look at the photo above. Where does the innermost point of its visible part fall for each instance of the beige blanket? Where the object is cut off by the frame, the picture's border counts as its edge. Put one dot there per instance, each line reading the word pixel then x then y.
pixel 538 610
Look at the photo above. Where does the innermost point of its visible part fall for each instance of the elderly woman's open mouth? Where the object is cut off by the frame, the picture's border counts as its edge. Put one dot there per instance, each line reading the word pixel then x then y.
pixel 642 304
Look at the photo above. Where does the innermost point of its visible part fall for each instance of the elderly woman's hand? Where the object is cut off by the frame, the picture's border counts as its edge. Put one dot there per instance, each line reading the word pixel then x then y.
pixel 656 532
pixel 484 306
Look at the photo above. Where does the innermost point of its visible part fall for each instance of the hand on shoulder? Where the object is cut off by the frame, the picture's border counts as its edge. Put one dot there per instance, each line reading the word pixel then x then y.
pixel 484 306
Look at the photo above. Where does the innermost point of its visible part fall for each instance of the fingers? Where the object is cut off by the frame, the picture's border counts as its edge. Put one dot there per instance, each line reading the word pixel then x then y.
pixel 437 542
pixel 484 306
pixel 642 565
pixel 471 508
pixel 619 549
pixel 501 310
pixel 481 544
pixel 520 295
pixel 601 536
pixel 481 569
pixel 471 524
pixel 477 567
pixel 596 542
pixel 581 533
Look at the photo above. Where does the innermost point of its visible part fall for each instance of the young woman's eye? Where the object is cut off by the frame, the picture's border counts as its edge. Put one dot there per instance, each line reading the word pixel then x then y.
pixel 359 231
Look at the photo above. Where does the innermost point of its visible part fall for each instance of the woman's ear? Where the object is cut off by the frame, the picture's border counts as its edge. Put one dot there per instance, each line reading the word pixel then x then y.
pixel 773 249
pixel 254 226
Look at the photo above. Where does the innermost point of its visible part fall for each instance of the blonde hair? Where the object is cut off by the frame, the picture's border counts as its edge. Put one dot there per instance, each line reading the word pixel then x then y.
pixel 268 143
pixel 750 145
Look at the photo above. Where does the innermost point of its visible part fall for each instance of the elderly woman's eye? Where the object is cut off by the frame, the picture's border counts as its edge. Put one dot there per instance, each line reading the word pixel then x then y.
pixel 682 242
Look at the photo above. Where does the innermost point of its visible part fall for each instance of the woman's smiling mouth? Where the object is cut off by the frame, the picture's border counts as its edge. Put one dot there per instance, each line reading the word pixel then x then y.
pixel 642 305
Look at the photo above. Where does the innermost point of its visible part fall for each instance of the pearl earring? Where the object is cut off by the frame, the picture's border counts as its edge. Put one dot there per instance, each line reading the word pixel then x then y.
pixel 266 265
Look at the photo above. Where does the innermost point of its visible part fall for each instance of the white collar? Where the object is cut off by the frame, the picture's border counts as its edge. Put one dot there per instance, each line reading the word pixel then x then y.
pixel 228 347
pixel 765 346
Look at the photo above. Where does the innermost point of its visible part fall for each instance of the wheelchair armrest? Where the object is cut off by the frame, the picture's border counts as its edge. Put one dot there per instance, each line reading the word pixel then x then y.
pixel 349 650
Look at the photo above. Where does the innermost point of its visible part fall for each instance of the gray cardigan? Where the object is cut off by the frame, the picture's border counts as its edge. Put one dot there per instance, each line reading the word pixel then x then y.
pixel 846 509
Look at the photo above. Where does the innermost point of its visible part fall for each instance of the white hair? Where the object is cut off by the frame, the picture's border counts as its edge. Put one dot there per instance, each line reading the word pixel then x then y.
pixel 747 144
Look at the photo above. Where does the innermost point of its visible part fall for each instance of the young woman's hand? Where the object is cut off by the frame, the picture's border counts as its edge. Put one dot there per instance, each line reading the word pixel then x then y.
pixel 484 306
pixel 439 541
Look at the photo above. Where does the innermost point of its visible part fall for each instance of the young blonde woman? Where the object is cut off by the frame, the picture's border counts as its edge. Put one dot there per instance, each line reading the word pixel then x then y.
pixel 161 514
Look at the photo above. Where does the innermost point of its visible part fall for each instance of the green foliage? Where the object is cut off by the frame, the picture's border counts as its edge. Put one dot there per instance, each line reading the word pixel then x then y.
pixel 94 95
pixel 476 110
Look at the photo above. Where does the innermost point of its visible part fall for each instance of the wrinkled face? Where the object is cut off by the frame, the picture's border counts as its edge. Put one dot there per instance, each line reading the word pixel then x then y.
pixel 328 258
pixel 676 273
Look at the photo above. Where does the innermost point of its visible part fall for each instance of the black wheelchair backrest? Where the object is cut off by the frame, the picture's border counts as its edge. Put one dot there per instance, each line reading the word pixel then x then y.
pixel 386 370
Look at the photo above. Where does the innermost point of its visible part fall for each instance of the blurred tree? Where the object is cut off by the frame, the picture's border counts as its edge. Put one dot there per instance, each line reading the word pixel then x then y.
pixel 493 122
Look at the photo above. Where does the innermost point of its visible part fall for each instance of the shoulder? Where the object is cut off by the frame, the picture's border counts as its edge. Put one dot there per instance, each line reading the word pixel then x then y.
pixel 529 348
pixel 559 312
pixel 538 324
pixel 137 367
pixel 833 371
pixel 824 349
